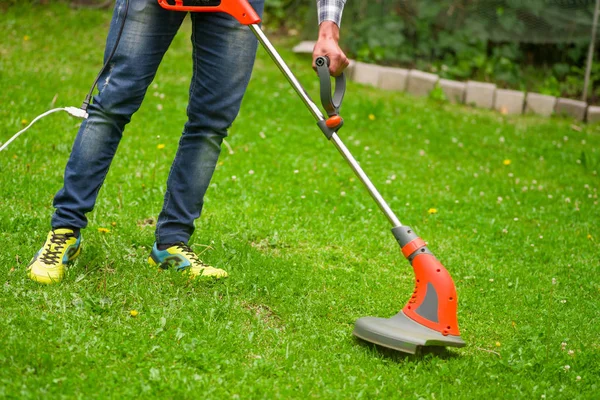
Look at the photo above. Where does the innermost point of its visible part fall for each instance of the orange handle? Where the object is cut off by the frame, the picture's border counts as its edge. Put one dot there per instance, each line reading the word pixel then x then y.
pixel 238 9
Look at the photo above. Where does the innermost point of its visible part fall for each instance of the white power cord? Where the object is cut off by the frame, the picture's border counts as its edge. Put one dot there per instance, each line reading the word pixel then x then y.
pixel 74 111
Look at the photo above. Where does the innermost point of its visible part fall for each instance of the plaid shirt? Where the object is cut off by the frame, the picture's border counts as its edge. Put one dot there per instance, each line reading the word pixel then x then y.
pixel 330 10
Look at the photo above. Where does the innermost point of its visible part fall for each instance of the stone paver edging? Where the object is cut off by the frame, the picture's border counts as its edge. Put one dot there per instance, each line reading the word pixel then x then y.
pixel 479 94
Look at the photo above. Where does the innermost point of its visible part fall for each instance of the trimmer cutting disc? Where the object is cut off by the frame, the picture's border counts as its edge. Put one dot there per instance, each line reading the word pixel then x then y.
pixel 401 333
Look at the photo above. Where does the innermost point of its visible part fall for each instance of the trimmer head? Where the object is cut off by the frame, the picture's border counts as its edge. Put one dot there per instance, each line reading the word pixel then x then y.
pixel 401 333
pixel 429 318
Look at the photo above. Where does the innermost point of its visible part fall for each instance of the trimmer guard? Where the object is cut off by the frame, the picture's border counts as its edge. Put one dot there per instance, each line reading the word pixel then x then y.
pixel 401 333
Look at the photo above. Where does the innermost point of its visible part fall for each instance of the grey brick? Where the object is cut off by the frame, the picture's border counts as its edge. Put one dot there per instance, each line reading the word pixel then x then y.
pixel 454 91
pixel 593 114
pixel 349 71
pixel 540 104
pixel 393 78
pixel 572 108
pixel 480 94
pixel 306 46
pixel 367 74
pixel 420 83
pixel 509 101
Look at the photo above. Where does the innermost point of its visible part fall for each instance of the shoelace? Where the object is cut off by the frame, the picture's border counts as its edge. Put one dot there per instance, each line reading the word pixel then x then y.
pixel 50 256
pixel 190 253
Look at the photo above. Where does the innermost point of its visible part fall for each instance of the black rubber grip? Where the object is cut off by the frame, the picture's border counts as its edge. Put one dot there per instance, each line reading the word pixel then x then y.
pixel 331 103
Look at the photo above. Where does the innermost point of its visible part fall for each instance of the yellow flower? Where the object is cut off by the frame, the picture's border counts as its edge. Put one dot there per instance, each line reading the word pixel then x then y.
pixel 372 117
pixel 506 162
pixel 113 223
pixel 497 344
pixel 103 230
pixel 432 211
pixel 160 146
pixel 133 313
pixel 26 38
pixel 24 122
pixel 589 236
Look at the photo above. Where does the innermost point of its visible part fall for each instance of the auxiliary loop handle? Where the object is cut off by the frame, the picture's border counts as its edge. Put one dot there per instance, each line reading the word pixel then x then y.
pixel 331 104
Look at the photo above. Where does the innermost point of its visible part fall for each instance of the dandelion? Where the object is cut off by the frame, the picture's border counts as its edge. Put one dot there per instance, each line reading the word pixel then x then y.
pixel 134 313
pixel 506 162
pixel 372 117
pixel 24 122
pixel 497 344
pixel 26 38
pixel 113 223
pixel 432 211
pixel 589 236
pixel 160 146
pixel 103 230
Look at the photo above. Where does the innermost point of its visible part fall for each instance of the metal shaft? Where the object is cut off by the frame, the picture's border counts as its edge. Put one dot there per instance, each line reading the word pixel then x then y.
pixel 318 115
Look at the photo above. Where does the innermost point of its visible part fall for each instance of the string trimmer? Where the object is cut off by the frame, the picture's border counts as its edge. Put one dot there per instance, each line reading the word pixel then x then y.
pixel 429 318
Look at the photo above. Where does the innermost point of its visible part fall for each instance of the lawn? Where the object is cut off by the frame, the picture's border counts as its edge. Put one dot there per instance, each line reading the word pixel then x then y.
pixel 508 204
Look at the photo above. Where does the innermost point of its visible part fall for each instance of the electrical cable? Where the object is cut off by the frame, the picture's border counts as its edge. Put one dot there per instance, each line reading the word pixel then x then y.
pixel 74 111
pixel 88 98
pixel 80 112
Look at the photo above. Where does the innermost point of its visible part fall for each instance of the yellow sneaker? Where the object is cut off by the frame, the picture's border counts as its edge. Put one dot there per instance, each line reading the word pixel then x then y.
pixel 183 258
pixel 48 264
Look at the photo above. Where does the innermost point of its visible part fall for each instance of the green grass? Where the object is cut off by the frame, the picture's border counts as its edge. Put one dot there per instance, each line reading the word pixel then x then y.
pixel 307 250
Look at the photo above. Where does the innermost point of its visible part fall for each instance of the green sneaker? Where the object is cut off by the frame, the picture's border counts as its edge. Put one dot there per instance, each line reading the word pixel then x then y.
pixel 183 258
pixel 48 264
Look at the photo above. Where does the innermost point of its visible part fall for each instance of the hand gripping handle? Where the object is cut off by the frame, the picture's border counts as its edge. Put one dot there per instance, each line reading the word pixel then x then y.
pixel 331 103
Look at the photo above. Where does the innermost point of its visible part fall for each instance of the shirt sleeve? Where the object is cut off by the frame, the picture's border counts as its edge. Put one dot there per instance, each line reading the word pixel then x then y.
pixel 330 10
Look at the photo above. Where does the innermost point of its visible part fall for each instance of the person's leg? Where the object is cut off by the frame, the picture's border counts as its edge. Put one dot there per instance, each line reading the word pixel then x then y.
pixel 224 53
pixel 148 32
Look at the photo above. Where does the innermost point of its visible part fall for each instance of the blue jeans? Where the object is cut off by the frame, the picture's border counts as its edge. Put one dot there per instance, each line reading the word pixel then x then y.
pixel 223 57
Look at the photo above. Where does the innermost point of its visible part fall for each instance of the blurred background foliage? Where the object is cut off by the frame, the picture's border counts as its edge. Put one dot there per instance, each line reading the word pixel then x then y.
pixel 538 45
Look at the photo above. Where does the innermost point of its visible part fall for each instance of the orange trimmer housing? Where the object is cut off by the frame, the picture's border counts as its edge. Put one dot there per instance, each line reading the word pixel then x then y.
pixel 238 9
